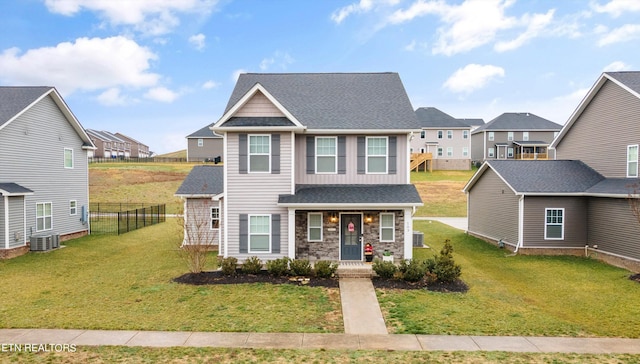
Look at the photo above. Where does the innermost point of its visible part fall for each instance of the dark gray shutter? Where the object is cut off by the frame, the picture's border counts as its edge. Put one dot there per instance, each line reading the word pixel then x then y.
pixel 244 233
pixel 311 154
pixel 275 233
pixel 393 154
pixel 362 145
pixel 342 154
pixel 275 154
pixel 242 153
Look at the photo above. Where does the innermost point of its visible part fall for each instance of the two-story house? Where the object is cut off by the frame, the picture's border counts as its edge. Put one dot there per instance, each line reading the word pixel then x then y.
pixel 204 145
pixel 44 186
pixel 514 136
pixel 447 139
pixel 137 148
pixel 316 165
pixel 108 145
pixel 579 203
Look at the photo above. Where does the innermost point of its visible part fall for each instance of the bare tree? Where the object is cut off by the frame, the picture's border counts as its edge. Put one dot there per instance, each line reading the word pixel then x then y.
pixel 201 232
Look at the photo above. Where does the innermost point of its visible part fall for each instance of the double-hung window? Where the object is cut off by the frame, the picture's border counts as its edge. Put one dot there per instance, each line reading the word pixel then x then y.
pixel 449 151
pixel 314 227
pixel 440 151
pixel 440 134
pixel 465 151
pixel 423 134
pixel 490 152
pixel 43 216
pixel 525 135
pixel 73 207
pixel 465 134
pixel 449 134
pixel 215 218
pixel 632 161
pixel 387 227
pixel 326 154
pixel 491 136
pixel 259 233
pixel 200 142
pixel 510 136
pixel 259 153
pixel 510 152
pixel 554 224
pixel 68 158
pixel 377 148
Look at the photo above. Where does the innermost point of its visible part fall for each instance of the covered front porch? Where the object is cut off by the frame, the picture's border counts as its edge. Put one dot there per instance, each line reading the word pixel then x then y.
pixel 531 150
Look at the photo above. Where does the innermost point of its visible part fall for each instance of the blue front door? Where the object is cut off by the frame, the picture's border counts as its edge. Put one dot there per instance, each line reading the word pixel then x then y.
pixel 350 230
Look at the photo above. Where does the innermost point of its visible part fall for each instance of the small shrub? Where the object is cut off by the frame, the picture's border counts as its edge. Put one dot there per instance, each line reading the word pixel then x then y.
pixel 278 267
pixel 252 265
pixel 413 270
pixel 300 267
pixel 444 267
pixel 384 269
pixel 229 265
pixel 325 268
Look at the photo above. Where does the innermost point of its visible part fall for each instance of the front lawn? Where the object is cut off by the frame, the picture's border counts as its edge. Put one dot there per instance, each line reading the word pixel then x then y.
pixel 516 295
pixel 125 282
pixel 441 192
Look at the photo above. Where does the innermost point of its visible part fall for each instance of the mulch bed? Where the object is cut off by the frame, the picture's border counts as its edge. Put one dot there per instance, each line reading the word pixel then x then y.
pixel 635 277
pixel 216 277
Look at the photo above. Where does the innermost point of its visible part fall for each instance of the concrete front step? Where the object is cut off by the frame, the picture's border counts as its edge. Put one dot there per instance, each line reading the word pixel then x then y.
pixel 354 270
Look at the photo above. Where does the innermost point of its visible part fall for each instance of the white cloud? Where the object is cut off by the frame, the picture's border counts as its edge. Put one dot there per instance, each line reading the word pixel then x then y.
pixel 472 77
pixel 617 66
pixel 536 24
pixel 198 41
pixel 362 6
pixel 210 84
pixel 625 33
pixel 112 97
pixel 161 94
pixel 281 59
pixel 86 64
pixel 154 17
pixel 615 8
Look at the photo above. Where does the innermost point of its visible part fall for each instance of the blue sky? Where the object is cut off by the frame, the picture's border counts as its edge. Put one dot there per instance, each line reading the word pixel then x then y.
pixel 158 70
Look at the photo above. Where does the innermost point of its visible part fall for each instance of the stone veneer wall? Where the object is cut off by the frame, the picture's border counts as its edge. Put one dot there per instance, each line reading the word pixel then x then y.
pixel 329 247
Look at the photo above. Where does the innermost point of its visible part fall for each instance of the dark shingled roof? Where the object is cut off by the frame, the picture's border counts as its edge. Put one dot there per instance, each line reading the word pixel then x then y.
pixel 629 79
pixel 336 100
pixel 258 121
pixel 203 180
pixel 430 117
pixel 353 194
pixel 11 188
pixel 548 176
pixel 519 121
pixel 15 99
pixel 204 133
pixel 616 186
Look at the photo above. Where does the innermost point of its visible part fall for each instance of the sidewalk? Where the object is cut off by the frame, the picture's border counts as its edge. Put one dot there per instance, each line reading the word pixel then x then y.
pixel 323 341
pixel 456 222
pixel 360 308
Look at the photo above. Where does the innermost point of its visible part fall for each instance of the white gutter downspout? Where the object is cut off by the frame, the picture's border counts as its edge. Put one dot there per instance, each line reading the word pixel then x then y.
pixel 6 222
pixel 520 223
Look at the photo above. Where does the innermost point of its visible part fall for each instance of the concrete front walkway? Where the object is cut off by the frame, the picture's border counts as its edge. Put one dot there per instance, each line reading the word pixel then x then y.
pixel 456 222
pixel 360 309
pixel 321 341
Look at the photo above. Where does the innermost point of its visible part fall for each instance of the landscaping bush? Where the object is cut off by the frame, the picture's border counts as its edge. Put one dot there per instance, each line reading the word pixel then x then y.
pixel 229 266
pixel 300 267
pixel 444 266
pixel 413 270
pixel 325 268
pixel 252 265
pixel 384 269
pixel 278 267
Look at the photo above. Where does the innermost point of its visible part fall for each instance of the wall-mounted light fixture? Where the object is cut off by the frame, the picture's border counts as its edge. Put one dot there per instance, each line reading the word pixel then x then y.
pixel 333 217
pixel 368 219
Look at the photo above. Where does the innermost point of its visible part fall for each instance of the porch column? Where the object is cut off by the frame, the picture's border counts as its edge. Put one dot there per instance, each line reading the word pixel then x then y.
pixel 291 228
pixel 408 233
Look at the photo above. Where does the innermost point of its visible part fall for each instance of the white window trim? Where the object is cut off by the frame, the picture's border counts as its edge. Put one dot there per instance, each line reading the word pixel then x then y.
pixel 440 152
pixel 490 153
pixel 449 151
pixel 335 156
pixel 525 136
pixel 200 142
pixel 440 134
pixel 637 161
pixel 449 134
pixel 510 136
pixel 211 218
pixel 510 152
pixel 249 154
pixel 547 224
pixel 465 151
pixel 64 162
pixel 393 227
pixel 249 234
pixel 73 211
pixel 423 134
pixel 491 136
pixel 386 156
pixel 44 217
pixel 309 227
pixel 465 134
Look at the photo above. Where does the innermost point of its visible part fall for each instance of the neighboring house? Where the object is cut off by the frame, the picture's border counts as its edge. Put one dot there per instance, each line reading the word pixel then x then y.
pixel 138 149
pixel 46 191
pixel 578 203
pixel 204 145
pixel 448 139
pixel 108 145
pixel 513 136
pixel 317 165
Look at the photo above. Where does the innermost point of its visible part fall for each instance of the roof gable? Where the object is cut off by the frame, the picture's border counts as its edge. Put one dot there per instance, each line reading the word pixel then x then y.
pixel 202 181
pixel 519 121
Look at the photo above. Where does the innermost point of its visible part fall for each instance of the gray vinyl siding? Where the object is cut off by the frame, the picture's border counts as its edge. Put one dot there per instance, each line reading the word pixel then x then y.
pixel 493 209
pixel 2 227
pixel 351 175
pixel 502 137
pixel 32 155
pixel 256 193
pixel 477 147
pixel 612 226
pixel 599 137
pixel 16 221
pixel 199 219
pixel 211 148
pixel 575 220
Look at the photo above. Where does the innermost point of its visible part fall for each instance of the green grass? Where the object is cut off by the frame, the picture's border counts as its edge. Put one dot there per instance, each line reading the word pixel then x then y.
pixel 455 176
pixel 125 282
pixel 441 192
pixel 517 295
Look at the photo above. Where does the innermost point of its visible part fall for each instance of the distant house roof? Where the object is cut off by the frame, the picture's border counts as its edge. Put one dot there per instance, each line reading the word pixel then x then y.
pixel 14 100
pixel 204 132
pixel 13 189
pixel 104 135
pixel 519 121
pixel 430 117
pixel 359 195
pixel 337 101
pixel 473 122
pixel 128 138
pixel 202 181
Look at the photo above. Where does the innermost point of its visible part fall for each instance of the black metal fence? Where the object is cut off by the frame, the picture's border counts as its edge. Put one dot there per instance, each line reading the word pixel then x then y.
pixel 138 160
pixel 119 218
